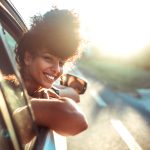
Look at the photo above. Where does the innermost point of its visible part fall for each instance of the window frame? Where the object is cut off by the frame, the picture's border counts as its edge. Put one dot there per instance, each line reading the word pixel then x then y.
pixel 10 16
pixel 14 24
pixel 8 52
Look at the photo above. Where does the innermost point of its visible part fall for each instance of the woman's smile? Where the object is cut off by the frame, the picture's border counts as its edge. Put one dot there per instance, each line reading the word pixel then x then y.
pixel 49 77
pixel 44 69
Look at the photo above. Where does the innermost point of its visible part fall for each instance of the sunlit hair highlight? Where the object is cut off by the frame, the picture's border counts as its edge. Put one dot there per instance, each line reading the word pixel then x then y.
pixel 57 31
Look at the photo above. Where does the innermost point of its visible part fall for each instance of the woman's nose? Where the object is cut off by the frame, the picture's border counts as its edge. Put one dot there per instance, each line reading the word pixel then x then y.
pixel 57 68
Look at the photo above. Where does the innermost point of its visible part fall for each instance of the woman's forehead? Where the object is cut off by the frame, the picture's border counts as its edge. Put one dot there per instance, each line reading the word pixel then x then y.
pixel 50 53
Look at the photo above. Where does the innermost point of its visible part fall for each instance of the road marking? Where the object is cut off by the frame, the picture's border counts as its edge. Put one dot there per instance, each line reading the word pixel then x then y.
pixel 125 135
pixel 98 99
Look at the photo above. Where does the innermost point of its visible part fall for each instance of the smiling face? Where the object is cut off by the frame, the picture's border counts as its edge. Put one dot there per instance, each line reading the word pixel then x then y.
pixel 43 69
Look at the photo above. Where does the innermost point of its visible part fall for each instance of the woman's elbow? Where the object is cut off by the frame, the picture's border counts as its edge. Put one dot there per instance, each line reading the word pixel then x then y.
pixel 80 125
pixel 77 124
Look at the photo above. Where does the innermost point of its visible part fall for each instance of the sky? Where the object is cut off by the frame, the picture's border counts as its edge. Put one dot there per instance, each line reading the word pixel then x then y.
pixel 120 28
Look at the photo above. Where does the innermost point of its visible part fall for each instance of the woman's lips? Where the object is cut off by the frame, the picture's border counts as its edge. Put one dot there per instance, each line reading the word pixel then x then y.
pixel 49 77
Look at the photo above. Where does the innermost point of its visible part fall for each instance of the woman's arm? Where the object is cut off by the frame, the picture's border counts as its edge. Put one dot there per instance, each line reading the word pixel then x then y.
pixel 61 115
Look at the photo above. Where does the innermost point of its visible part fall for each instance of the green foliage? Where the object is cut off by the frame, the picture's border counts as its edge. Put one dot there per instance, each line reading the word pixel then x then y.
pixel 119 76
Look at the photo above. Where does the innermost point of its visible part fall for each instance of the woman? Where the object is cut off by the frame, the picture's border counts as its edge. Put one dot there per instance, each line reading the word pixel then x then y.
pixel 52 41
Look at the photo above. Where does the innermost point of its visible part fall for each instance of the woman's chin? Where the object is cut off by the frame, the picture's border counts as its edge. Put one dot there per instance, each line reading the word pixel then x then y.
pixel 47 86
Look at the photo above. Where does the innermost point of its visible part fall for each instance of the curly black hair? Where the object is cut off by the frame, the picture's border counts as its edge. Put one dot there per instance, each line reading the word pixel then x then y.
pixel 57 30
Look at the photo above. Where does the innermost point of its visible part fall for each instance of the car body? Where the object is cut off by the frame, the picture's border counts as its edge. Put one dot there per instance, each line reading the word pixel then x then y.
pixel 12 28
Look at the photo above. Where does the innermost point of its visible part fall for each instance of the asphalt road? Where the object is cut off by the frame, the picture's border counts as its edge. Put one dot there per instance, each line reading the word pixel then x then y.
pixel 117 120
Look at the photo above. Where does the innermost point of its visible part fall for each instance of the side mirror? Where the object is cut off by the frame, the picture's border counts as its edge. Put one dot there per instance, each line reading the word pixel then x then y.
pixel 75 82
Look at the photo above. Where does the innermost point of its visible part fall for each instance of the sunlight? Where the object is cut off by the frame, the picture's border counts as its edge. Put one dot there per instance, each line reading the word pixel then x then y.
pixel 118 28
pixel 29 8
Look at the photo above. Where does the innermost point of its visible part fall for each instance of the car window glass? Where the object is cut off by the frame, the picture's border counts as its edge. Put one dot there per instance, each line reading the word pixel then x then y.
pixel 11 84
pixel 10 41
pixel 14 93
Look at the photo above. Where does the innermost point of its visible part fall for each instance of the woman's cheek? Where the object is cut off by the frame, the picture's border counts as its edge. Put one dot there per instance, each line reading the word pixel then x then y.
pixel 61 71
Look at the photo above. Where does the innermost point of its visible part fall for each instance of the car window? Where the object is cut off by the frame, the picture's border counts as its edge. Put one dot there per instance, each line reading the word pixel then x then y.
pixel 14 92
pixel 10 41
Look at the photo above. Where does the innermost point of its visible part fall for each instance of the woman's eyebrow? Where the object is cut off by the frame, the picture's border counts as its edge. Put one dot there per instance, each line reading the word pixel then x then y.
pixel 47 53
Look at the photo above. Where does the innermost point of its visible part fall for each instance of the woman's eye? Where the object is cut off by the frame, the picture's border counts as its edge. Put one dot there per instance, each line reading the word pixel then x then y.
pixel 47 58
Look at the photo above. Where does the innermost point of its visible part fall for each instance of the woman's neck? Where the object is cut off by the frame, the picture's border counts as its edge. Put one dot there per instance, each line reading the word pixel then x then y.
pixel 29 84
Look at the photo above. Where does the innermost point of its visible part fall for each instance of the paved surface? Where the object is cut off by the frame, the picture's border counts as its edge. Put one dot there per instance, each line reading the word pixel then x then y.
pixel 117 120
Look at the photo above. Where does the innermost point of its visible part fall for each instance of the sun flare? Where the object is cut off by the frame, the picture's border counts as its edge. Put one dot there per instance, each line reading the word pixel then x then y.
pixel 118 28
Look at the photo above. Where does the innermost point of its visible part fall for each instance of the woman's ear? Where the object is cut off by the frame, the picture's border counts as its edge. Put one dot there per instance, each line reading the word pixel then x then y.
pixel 27 58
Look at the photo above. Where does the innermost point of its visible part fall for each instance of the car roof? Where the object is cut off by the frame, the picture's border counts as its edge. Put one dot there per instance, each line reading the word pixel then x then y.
pixel 11 10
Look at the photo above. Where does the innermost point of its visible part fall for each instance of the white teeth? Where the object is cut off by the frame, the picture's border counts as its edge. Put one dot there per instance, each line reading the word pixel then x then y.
pixel 49 77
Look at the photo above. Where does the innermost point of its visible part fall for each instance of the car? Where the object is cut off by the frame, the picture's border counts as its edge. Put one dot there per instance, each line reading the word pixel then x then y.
pixel 12 28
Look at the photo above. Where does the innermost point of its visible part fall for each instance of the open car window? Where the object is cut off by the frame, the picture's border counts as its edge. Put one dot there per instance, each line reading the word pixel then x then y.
pixel 14 92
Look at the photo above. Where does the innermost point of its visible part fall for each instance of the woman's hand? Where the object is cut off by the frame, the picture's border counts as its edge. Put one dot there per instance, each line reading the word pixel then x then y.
pixel 63 92
pixel 46 93
pixel 69 92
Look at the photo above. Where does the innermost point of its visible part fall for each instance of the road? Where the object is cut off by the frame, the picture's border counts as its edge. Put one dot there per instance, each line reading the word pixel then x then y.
pixel 117 120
